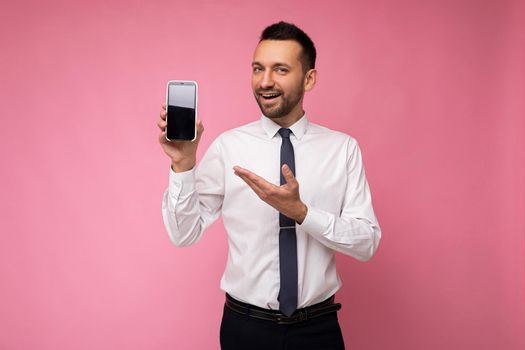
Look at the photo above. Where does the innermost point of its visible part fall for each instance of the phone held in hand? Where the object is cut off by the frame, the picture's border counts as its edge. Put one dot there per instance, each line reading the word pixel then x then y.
pixel 181 117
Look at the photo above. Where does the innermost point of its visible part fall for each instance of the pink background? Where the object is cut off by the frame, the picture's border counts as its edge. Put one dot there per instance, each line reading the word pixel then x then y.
pixel 432 90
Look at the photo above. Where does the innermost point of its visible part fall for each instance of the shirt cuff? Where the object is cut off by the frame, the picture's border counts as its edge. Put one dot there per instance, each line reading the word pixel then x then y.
pixel 181 183
pixel 316 222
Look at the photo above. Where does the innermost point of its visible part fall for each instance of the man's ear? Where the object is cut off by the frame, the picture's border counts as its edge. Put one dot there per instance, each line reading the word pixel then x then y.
pixel 310 79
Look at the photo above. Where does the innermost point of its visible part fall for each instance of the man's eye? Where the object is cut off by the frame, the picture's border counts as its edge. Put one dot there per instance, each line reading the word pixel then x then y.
pixel 257 69
pixel 282 70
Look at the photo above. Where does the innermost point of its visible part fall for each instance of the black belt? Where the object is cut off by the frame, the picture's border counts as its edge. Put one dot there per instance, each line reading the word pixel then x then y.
pixel 299 315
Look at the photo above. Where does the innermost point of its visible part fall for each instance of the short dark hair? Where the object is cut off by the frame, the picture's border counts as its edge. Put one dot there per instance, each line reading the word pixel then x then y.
pixel 289 31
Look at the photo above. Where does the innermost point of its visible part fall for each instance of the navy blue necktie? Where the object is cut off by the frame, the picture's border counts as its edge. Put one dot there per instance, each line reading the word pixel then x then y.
pixel 287 239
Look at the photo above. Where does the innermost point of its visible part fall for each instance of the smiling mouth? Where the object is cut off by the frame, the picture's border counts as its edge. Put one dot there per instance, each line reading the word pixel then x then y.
pixel 269 96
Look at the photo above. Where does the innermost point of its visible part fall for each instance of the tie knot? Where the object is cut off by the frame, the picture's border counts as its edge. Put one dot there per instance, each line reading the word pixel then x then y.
pixel 285 133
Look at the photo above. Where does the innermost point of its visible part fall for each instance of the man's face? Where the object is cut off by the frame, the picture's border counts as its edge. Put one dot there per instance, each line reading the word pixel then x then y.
pixel 278 77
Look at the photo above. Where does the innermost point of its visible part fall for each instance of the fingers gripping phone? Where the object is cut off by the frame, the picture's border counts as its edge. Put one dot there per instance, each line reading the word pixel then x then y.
pixel 181 116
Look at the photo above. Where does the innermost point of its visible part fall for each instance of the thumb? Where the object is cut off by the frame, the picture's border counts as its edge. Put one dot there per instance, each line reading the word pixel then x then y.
pixel 200 130
pixel 288 174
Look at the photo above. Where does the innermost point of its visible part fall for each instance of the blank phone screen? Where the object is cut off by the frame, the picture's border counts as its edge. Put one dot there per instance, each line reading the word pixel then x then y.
pixel 181 111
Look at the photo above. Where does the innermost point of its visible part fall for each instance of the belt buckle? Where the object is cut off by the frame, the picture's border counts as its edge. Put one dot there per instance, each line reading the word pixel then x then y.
pixel 301 316
pixel 283 319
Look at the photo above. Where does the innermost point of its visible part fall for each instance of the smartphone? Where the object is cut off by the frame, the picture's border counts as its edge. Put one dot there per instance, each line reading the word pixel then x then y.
pixel 181 117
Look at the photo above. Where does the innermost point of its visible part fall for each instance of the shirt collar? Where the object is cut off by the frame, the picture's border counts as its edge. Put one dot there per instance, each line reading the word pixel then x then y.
pixel 298 128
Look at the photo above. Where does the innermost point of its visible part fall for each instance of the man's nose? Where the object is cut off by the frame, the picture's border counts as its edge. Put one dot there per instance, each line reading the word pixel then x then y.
pixel 267 80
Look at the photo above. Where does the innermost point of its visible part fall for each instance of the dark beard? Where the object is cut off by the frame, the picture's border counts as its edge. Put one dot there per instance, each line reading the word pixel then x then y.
pixel 279 112
pixel 287 105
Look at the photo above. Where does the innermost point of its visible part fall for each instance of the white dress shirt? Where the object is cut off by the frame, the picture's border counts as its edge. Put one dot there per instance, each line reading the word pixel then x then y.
pixel 332 184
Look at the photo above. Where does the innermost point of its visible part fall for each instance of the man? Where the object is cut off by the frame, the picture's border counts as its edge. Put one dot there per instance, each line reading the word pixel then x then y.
pixel 291 194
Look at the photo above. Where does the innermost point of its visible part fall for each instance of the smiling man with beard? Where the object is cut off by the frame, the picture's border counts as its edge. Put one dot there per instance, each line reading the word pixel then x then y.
pixel 281 95
pixel 291 194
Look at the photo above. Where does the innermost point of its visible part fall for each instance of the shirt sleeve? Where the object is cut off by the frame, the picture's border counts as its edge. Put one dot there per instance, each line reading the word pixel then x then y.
pixel 193 199
pixel 355 232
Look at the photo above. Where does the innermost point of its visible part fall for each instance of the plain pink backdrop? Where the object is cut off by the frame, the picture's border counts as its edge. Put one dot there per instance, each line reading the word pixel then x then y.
pixel 432 90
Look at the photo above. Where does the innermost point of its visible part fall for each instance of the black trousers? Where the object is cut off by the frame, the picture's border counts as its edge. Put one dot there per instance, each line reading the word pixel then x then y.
pixel 240 332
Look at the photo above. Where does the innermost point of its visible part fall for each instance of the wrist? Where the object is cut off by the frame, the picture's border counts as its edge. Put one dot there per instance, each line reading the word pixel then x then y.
pixel 182 166
pixel 301 215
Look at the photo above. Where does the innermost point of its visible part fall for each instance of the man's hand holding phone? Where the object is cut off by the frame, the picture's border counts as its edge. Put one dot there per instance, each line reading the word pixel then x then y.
pixel 183 154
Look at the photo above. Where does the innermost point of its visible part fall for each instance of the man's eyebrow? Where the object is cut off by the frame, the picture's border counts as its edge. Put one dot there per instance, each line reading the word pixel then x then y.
pixel 278 64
